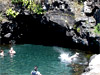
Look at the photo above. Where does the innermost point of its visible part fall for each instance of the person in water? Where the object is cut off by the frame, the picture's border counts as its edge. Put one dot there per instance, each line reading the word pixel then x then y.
pixel 74 56
pixel 11 51
pixel 35 72
pixel 1 53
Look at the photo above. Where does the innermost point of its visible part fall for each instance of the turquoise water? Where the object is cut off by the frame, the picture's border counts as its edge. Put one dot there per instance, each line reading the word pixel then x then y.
pixel 27 56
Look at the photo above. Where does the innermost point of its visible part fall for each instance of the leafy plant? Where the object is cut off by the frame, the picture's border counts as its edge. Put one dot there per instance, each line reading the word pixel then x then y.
pixel 15 1
pixel 78 29
pixel 25 2
pixel 31 5
pixel 97 28
pixel 35 8
pixel 12 13
pixel 0 18
pixel 75 26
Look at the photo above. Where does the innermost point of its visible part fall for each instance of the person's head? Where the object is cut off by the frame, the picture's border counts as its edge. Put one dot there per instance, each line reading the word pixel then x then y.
pixel 35 68
pixel 1 51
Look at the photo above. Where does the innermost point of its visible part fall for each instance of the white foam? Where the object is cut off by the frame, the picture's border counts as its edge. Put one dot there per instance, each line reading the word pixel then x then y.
pixel 64 57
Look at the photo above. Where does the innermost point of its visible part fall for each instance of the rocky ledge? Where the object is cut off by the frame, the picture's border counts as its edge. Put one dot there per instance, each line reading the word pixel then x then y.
pixel 93 66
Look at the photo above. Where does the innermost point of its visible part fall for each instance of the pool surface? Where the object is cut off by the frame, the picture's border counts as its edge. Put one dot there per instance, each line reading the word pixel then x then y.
pixel 27 56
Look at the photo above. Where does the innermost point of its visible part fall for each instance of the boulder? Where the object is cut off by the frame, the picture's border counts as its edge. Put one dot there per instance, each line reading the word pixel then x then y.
pixel 94 66
pixel 60 18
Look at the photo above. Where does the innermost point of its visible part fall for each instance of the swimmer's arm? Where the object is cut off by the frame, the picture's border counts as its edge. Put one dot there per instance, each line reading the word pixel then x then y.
pixel 39 73
pixel 31 72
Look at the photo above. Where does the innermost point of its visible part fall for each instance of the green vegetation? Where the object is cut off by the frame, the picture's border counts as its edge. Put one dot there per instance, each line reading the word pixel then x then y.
pixel 86 22
pixel 75 27
pixel 0 20
pixel 78 29
pixel 30 5
pixel 35 8
pixel 12 13
pixel 0 14
pixel 16 1
pixel 0 17
pixel 97 28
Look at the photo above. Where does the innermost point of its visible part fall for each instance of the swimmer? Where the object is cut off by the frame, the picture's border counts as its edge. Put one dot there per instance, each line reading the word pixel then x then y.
pixel 35 72
pixel 74 56
pixel 1 53
pixel 11 51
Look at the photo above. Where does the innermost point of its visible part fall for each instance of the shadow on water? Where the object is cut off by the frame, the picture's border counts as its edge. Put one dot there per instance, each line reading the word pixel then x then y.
pixel 36 29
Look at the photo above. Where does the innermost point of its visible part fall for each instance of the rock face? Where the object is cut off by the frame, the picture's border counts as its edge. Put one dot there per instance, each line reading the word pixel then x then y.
pixel 87 7
pixel 94 66
pixel 61 18
pixel 63 23
pixel 4 4
pixel 96 15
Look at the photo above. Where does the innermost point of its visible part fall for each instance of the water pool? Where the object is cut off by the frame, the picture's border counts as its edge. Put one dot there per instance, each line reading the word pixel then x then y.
pixel 28 55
